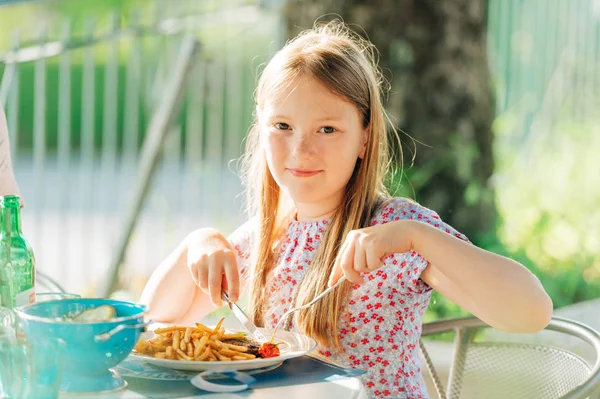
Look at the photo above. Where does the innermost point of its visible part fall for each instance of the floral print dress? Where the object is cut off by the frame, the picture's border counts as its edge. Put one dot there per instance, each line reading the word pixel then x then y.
pixel 382 327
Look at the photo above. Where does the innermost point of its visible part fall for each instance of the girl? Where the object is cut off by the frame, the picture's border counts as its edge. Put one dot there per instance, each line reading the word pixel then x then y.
pixel 8 184
pixel 315 166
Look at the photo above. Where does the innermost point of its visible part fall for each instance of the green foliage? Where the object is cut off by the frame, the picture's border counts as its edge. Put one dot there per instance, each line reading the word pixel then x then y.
pixel 547 192
pixel 549 200
pixel 76 9
pixel 247 45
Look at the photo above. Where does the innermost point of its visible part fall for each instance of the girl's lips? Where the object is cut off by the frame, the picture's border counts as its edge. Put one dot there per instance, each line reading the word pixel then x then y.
pixel 303 173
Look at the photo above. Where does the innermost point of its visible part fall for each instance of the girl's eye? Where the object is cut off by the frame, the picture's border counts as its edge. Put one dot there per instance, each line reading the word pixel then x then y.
pixel 327 129
pixel 282 126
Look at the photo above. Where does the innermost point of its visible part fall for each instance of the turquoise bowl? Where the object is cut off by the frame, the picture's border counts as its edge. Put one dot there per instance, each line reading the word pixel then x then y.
pixel 92 348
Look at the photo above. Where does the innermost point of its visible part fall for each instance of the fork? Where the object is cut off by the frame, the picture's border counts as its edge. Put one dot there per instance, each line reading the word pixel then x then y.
pixel 315 300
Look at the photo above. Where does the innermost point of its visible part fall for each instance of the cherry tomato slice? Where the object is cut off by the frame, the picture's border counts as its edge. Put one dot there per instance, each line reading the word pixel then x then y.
pixel 268 349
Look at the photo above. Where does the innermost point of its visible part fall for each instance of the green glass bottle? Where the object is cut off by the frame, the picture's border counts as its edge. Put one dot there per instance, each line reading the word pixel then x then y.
pixel 17 263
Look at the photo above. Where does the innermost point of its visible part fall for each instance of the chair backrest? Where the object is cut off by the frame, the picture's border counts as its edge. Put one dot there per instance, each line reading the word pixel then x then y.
pixel 513 370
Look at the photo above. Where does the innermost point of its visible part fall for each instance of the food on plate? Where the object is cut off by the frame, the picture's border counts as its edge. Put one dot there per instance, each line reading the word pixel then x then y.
pixel 100 313
pixel 268 349
pixel 250 343
pixel 200 343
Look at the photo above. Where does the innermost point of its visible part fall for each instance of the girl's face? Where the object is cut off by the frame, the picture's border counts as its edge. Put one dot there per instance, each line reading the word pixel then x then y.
pixel 312 139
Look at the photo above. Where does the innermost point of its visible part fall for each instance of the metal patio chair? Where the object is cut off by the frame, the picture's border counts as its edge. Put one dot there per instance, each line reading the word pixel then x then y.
pixel 485 368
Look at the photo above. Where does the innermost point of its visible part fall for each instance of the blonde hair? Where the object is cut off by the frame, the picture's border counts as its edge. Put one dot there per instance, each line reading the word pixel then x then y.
pixel 346 64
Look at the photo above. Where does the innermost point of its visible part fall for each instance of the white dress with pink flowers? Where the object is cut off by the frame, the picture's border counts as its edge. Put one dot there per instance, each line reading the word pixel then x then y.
pixel 381 331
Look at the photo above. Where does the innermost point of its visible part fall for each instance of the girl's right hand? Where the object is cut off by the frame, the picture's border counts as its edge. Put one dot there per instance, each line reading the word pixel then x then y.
pixel 212 263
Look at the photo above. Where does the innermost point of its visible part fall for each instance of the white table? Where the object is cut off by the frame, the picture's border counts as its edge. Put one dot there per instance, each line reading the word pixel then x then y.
pixel 350 388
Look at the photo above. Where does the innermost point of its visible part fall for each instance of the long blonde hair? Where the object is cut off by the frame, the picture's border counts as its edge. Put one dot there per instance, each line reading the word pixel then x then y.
pixel 345 63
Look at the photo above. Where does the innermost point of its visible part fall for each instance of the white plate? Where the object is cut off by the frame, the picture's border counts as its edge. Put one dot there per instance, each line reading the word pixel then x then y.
pixel 293 345
pixel 138 367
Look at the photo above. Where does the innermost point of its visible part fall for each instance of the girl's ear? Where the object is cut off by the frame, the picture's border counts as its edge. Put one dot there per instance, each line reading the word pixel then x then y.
pixel 365 136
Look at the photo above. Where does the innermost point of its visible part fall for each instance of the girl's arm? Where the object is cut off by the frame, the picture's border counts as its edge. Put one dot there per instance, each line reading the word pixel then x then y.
pixel 171 294
pixel 178 291
pixel 498 290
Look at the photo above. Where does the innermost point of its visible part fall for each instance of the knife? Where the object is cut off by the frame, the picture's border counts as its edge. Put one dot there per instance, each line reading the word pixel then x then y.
pixel 243 318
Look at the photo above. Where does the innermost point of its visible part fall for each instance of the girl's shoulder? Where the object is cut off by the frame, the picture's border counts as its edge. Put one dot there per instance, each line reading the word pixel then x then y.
pixel 398 208
pixel 241 239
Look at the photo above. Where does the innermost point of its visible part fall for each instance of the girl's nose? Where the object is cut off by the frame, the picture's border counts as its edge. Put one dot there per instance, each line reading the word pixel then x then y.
pixel 303 145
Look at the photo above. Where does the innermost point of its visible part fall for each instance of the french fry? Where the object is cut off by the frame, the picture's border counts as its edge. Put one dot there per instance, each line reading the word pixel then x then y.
pixel 158 347
pixel 204 356
pixel 234 336
pixel 214 343
pixel 203 340
pixel 187 335
pixel 238 348
pixel 162 339
pixel 218 326
pixel 202 328
pixel 197 348
pixel 220 356
pixel 244 356
pixel 176 339
pixel 142 346
pixel 171 329
pixel 183 355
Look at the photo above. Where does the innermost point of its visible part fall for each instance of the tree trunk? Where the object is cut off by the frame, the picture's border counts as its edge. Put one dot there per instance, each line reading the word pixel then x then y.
pixel 441 95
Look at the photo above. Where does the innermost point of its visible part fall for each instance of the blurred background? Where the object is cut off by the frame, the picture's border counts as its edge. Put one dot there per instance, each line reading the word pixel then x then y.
pixel 126 118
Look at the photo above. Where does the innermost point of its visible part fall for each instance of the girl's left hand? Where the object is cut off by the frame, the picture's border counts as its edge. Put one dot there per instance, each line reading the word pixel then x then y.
pixel 365 250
